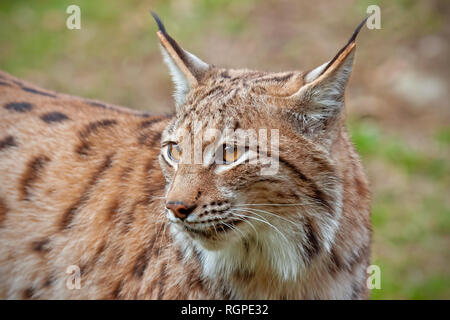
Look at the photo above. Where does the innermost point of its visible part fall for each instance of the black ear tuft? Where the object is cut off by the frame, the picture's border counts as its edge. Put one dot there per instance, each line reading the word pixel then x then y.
pixel 158 22
pixel 186 69
pixel 352 39
pixel 358 28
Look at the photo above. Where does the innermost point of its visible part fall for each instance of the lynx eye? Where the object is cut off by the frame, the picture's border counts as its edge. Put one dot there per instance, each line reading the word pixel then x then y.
pixel 174 152
pixel 231 153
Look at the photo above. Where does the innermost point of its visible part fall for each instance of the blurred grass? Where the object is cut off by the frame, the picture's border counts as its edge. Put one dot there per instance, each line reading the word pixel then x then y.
pixel 114 57
pixel 411 226
pixel 443 136
pixel 370 142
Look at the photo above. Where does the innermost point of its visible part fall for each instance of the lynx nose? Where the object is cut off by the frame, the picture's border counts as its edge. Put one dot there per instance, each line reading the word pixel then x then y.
pixel 180 209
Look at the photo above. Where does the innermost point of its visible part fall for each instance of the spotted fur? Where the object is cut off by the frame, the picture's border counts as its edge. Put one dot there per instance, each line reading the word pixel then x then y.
pixel 86 183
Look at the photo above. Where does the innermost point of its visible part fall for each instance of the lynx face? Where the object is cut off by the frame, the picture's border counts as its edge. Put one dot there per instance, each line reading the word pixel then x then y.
pixel 227 196
pixel 224 202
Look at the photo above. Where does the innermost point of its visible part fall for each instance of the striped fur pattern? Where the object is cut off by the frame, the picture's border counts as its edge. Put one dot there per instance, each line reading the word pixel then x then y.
pixel 85 183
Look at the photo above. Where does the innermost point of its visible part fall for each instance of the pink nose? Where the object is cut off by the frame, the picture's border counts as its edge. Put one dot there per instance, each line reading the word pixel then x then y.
pixel 179 209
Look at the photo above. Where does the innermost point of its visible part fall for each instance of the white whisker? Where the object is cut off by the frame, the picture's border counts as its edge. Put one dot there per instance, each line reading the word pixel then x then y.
pixel 233 228
pixel 245 220
pixel 270 204
pixel 272 214
pixel 263 220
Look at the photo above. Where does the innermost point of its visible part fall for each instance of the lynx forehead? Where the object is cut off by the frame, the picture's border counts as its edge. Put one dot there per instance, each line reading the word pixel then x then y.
pixel 113 191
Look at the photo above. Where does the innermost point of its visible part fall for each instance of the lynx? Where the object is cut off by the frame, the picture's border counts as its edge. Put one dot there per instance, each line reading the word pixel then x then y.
pixel 112 192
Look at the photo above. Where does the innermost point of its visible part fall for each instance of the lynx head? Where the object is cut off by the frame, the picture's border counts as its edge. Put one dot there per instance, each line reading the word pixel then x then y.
pixel 217 193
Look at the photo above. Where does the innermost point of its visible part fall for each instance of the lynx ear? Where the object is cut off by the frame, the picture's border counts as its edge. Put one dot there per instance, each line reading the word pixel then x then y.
pixel 185 68
pixel 321 98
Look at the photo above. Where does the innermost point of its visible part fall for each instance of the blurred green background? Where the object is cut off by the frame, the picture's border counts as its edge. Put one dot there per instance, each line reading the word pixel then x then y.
pixel 397 99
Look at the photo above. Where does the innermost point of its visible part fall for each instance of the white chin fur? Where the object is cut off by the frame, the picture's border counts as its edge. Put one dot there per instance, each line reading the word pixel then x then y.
pixel 278 255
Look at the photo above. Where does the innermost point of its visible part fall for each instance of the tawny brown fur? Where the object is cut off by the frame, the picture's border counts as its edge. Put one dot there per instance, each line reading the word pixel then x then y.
pixel 83 183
